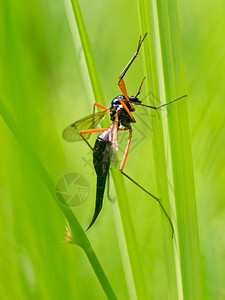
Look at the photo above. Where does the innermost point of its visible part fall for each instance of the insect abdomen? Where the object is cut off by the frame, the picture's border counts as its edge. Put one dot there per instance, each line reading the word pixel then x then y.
pixel 101 161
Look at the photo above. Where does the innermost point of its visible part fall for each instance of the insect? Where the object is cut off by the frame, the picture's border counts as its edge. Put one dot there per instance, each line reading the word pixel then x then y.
pixel 106 145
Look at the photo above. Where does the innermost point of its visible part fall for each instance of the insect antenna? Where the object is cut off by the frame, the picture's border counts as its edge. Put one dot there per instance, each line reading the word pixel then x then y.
pixel 140 87
pixel 156 107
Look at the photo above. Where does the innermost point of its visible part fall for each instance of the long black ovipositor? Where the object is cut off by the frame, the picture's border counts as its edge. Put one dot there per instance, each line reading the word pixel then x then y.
pixel 101 161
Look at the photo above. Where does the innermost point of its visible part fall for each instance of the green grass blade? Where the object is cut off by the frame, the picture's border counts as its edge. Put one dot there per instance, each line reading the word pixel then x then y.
pixel 132 247
pixel 100 274
pixel 98 95
pixel 152 58
pixel 77 234
pixel 180 144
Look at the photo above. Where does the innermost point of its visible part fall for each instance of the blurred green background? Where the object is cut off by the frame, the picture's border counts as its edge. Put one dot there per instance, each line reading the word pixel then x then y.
pixel 45 89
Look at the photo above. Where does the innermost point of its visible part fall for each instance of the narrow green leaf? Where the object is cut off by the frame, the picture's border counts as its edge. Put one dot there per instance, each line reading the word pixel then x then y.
pixel 152 58
pixel 181 152
pixel 132 246
pixel 171 80
pixel 95 83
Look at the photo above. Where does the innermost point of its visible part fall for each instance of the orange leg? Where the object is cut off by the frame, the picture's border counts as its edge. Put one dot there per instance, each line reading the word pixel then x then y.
pixel 122 87
pixel 126 152
pixel 90 131
pixel 124 105
pixel 150 194
pixel 121 81
pixel 99 105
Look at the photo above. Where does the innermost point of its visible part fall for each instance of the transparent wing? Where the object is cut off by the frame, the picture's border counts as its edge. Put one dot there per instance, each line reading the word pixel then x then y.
pixel 114 141
pixel 71 133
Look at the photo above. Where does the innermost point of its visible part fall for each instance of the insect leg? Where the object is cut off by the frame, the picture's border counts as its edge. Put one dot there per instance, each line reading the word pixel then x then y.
pixel 99 105
pixel 90 131
pixel 121 83
pixel 150 194
pixel 127 109
pixel 154 197
pixel 126 151
pixel 133 58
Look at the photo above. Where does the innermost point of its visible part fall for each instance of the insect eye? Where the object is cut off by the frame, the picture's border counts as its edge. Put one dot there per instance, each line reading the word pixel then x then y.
pixel 134 99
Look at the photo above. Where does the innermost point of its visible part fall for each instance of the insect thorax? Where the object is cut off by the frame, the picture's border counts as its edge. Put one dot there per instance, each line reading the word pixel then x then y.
pixel 123 116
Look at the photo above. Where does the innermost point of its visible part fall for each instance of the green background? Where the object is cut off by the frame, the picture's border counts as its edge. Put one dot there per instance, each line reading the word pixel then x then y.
pixel 45 88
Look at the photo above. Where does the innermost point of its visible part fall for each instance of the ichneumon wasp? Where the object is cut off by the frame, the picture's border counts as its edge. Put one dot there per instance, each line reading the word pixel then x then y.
pixel 106 146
